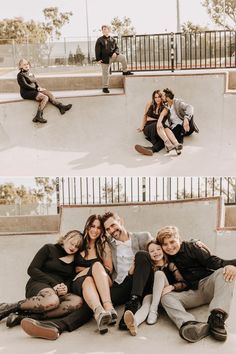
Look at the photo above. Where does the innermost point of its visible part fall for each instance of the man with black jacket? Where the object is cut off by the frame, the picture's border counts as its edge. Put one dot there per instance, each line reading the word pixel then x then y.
pixel 107 52
pixel 210 280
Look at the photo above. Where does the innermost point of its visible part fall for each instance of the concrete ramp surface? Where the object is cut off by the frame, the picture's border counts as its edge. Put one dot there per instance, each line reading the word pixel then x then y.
pixel 16 254
pixel 98 135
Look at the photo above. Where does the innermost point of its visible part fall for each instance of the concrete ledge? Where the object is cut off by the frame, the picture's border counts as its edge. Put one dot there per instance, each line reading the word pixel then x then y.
pixel 11 225
pixel 15 97
pixel 65 82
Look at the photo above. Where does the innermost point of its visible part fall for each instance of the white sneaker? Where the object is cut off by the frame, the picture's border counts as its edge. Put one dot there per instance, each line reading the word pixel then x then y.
pixel 152 317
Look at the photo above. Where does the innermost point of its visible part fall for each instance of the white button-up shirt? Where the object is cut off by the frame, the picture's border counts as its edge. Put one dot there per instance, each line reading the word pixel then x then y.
pixel 125 258
pixel 174 119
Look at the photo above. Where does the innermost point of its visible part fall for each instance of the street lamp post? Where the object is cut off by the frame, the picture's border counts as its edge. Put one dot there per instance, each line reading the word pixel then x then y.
pixel 177 16
pixel 224 12
pixel 87 26
pixel 177 39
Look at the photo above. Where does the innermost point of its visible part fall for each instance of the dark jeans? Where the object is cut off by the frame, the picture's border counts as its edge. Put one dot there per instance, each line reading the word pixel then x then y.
pixel 140 283
pixel 150 131
pixel 179 133
pixel 75 319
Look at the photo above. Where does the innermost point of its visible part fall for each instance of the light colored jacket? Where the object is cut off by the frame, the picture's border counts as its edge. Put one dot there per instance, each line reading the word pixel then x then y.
pixel 182 109
pixel 139 241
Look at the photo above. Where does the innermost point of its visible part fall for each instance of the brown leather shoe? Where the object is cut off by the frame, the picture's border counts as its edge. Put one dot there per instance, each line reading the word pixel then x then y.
pixel 40 329
pixel 144 150
pixel 130 322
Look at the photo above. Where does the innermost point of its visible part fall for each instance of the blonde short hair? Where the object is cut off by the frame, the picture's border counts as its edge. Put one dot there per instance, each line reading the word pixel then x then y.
pixel 167 232
pixel 69 235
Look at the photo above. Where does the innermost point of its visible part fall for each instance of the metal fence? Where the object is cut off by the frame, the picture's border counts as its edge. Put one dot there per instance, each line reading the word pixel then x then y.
pixel 182 51
pixel 108 190
pixel 168 51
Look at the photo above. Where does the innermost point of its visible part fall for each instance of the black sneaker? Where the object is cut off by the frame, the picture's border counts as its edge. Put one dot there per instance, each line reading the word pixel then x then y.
pixel 133 306
pixel 14 319
pixel 193 331
pixel 128 73
pixel 105 90
pixel 216 322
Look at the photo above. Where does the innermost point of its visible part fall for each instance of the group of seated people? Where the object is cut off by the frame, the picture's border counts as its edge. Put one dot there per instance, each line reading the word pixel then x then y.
pixel 166 121
pixel 87 274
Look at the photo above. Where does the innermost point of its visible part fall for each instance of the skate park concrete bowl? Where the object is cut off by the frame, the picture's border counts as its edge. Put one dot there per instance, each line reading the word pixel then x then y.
pixel 97 136
pixel 18 250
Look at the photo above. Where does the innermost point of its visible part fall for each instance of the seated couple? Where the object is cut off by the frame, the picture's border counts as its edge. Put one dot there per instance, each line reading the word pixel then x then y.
pixel 165 122
pixel 188 278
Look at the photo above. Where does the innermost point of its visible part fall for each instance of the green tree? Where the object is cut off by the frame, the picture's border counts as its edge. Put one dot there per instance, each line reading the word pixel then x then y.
pixel 215 9
pixel 12 194
pixel 189 27
pixel 54 21
pixel 46 187
pixel 122 27
pixel 21 32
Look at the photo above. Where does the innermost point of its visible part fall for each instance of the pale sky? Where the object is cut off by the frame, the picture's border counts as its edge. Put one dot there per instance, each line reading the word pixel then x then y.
pixel 148 16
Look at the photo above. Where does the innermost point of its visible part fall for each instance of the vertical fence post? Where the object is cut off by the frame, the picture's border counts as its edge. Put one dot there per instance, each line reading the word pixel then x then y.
pixel 58 194
pixel 65 52
pixel 14 51
pixel 172 51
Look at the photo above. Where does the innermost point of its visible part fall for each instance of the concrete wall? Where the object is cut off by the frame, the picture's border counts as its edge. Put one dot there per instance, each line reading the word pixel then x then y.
pixel 64 83
pixel 197 218
pixel 29 224
pixel 16 254
pixel 110 122
pixel 230 216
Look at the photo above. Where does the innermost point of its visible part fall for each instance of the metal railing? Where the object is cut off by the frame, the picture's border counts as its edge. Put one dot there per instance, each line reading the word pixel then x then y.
pixel 166 51
pixel 109 190
pixel 182 51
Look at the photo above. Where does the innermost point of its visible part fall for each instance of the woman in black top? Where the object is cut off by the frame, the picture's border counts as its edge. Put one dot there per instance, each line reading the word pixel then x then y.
pixel 166 278
pixel 30 89
pixel 159 134
pixel 94 266
pixel 48 289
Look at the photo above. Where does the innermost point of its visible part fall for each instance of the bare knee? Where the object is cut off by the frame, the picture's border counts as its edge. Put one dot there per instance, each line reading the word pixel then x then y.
pixel 97 266
pixel 88 282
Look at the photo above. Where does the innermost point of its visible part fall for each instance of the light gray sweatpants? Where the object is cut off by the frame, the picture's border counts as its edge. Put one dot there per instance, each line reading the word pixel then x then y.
pixel 212 290
pixel 106 68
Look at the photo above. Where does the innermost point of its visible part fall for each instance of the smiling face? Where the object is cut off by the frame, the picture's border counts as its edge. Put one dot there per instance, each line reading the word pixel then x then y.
pixel 155 252
pixel 95 230
pixel 171 245
pixel 114 227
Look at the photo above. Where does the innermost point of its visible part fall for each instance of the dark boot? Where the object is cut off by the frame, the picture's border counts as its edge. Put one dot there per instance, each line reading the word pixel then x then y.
pixel 132 305
pixel 216 322
pixel 39 117
pixel 14 319
pixel 6 309
pixel 193 331
pixel 63 108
